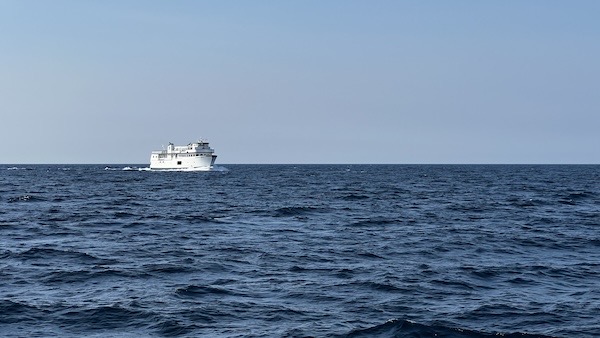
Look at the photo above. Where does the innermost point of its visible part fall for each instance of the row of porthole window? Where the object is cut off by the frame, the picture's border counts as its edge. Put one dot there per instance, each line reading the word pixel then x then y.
pixel 189 155
pixel 183 155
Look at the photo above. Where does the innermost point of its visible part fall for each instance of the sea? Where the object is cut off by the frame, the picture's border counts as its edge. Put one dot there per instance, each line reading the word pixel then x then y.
pixel 300 251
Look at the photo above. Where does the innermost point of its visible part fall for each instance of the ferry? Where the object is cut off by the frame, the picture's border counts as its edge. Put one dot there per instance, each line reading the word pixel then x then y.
pixel 195 156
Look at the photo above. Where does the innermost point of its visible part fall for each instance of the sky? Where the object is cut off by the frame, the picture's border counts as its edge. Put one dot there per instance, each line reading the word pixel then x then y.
pixel 307 81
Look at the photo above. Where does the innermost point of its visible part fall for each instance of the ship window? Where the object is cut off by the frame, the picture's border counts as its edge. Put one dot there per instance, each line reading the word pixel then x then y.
pixel 178 162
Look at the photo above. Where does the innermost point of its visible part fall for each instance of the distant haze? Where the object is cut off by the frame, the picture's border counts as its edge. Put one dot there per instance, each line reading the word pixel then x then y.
pixel 301 81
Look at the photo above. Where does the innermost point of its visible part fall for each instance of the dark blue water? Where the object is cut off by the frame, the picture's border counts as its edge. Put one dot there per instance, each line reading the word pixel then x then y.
pixel 295 251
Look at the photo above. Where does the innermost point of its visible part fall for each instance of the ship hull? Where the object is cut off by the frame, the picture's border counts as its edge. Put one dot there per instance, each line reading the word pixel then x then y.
pixel 196 163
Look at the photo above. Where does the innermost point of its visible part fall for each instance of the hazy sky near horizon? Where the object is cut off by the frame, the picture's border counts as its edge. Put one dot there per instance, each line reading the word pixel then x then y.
pixel 301 81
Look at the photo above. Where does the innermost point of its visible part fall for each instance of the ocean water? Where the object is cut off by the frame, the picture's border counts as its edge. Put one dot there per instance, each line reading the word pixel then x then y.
pixel 300 251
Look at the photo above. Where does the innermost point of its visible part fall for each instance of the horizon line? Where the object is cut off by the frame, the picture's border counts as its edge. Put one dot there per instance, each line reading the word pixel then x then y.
pixel 300 164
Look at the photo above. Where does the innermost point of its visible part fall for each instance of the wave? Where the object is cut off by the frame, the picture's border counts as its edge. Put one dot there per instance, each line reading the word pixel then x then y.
pixel 163 268
pixel 104 320
pixel 377 221
pixel 81 276
pixel 25 198
pixel 49 253
pixel 127 168
pixel 296 211
pixel 399 328
pixel 200 218
pixel 172 328
pixel 379 286
pixel 575 197
pixel 16 312
pixel 194 291
pixel 105 317
pixel 355 197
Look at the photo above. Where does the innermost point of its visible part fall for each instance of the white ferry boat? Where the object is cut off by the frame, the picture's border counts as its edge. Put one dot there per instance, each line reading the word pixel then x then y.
pixel 194 156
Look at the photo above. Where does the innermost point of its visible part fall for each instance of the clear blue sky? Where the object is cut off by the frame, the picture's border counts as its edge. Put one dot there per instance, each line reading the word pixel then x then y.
pixel 301 81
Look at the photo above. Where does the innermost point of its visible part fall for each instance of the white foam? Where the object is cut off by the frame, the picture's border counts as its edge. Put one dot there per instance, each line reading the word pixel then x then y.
pixel 219 168
pixel 136 169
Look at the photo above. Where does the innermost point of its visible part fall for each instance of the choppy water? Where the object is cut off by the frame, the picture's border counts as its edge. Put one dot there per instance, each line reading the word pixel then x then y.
pixel 294 251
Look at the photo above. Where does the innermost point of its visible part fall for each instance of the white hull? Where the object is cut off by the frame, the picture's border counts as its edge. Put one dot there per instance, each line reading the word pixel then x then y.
pixel 193 157
pixel 194 163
